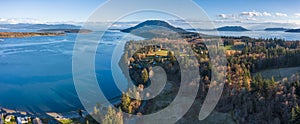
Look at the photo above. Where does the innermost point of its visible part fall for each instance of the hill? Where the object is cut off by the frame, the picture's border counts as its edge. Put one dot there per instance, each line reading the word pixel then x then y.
pixel 157 29
pixel 153 23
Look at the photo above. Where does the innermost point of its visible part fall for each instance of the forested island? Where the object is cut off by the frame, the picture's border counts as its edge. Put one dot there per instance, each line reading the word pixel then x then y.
pixel 43 32
pixel 232 28
pixel 27 34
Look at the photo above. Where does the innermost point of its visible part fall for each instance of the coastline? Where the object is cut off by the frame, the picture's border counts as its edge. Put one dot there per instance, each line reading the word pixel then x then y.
pixel 27 34
pixel 61 115
pixel 72 114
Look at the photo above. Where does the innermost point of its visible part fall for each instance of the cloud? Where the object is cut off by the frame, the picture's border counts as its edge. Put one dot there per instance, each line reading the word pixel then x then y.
pixel 246 16
pixel 20 20
pixel 222 16
pixel 251 19
pixel 281 14
pixel 255 14
pixel 226 16
pixel 251 14
pixel 266 14
pixel 297 14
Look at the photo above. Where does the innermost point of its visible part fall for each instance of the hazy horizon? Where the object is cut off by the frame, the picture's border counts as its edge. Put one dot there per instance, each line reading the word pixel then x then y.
pixel 253 15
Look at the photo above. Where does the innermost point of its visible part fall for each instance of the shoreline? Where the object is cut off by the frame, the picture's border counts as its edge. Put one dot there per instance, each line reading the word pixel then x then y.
pixel 55 115
pixel 59 115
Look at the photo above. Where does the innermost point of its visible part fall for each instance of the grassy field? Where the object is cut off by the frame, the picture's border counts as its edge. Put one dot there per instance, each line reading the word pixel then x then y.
pixel 237 46
pixel 66 121
pixel 229 47
pixel 279 73
pixel 159 53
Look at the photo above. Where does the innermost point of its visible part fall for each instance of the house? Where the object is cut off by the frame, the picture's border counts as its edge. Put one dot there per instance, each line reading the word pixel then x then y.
pixel 22 120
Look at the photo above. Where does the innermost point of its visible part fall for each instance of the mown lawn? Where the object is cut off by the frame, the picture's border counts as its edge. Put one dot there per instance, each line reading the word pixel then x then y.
pixel 160 53
pixel 235 47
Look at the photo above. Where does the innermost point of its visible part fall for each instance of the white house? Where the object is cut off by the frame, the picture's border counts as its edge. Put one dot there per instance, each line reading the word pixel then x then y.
pixel 22 120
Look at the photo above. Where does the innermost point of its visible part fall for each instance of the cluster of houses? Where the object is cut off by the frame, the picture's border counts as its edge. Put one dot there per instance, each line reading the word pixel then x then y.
pixel 17 118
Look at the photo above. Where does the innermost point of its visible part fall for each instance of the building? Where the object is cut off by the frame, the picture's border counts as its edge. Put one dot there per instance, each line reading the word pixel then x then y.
pixel 22 120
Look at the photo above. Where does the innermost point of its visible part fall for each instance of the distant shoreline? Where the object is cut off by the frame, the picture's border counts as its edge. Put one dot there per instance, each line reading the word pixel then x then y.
pixel 43 32
pixel 27 34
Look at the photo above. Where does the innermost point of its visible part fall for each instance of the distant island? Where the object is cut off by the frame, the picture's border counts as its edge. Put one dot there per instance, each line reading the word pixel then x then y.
pixel 67 30
pixel 27 34
pixel 232 28
pixel 42 30
pixel 293 30
pixel 38 26
pixel 276 29
pixel 157 29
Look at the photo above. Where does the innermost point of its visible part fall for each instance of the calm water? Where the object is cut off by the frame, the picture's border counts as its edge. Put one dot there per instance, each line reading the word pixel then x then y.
pixel 36 72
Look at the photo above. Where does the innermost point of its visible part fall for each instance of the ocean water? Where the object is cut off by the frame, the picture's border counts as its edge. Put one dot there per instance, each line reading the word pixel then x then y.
pixel 36 72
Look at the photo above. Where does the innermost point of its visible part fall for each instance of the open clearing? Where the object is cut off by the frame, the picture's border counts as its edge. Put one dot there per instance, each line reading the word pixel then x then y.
pixel 279 73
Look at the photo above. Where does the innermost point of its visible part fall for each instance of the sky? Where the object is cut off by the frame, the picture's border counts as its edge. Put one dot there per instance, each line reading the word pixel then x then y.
pixel 282 12
pixel 223 12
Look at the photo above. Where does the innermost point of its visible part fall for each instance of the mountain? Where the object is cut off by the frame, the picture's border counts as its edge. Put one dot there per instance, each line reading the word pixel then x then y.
pixel 293 30
pixel 150 23
pixel 232 28
pixel 276 29
pixel 157 29
pixel 38 26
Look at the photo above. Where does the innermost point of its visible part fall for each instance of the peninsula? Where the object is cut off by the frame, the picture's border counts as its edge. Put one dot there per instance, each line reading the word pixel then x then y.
pixel 27 34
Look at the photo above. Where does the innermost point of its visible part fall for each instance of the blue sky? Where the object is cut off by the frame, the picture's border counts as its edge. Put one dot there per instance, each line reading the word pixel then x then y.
pixel 214 7
pixel 228 12
pixel 48 10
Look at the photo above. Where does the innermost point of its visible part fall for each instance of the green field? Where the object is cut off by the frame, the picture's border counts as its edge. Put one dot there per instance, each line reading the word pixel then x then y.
pixel 160 53
pixel 237 46
pixel 279 73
